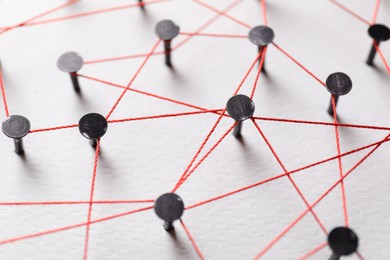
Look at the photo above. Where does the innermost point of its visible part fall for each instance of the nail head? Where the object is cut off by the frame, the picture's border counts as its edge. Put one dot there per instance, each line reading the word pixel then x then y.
pixel 169 207
pixel 70 62
pixel 339 83
pixel 16 126
pixel 166 30
pixel 261 35
pixel 93 126
pixel 240 107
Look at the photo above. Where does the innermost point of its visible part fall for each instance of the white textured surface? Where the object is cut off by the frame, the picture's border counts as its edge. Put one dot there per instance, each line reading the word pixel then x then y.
pixel 143 159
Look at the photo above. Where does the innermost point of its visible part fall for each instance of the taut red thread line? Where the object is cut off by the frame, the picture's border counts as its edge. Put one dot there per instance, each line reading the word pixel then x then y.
pixel 162 116
pixel 53 128
pixel 222 13
pixel 382 57
pixel 92 191
pixel 313 251
pixel 263 53
pixel 106 10
pixel 198 151
pixel 299 64
pixel 288 175
pixel 344 200
pixel 350 12
pixel 122 58
pixel 197 250
pixel 320 123
pixel 6 29
pixel 284 174
pixel 3 93
pixel 247 73
pixel 47 232
pixel 292 224
pixel 185 177
pixel 215 35
pixel 54 203
pixel 134 77
pixel 376 10
pixel 264 9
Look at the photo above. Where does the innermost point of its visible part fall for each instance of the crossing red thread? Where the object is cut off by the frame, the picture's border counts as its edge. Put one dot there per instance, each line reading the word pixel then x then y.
pixel 26 22
pixel 92 191
pixel 288 175
pixel 264 9
pixel 350 12
pixel 106 10
pixel 149 94
pixel 298 63
pixel 292 224
pixel 134 77
pixel 263 53
pixel 198 252
pixel 336 128
pixel 56 230
pixel 285 174
pixel 184 177
pixel 208 23
pixel 221 112
pixel 3 93
pixel 222 13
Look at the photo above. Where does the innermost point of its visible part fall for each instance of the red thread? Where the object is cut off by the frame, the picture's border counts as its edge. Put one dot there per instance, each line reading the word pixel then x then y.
pixel 55 203
pixel 192 240
pixel 316 202
pixel 263 52
pixel 185 176
pixel 285 174
pixel 344 200
pixel 92 191
pixel 288 175
pixel 350 12
pixel 6 29
pixel 106 10
pixel 299 64
pixel 53 128
pixel 134 77
pixel 163 116
pixel 222 13
pixel 313 251
pixel 148 94
pixel 382 57
pixel 320 123
pixel 376 10
pixel 264 8
pixel 208 23
pixel 3 93
pixel 121 58
pixel 51 231
pixel 214 35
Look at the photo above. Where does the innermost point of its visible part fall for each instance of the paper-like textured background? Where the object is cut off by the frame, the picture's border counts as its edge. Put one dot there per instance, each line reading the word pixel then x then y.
pixel 143 159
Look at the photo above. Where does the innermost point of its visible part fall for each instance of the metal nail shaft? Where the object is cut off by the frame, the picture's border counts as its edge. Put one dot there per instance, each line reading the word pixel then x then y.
pixel 18 145
pixel 330 109
pixel 75 82
pixel 168 50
